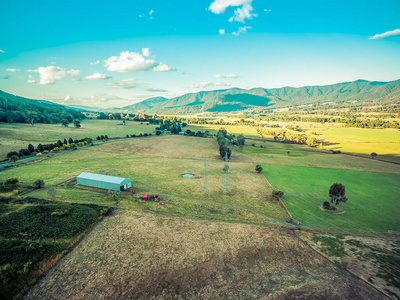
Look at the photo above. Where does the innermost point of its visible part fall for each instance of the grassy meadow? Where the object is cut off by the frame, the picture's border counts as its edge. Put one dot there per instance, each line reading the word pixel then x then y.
pixel 373 197
pixel 16 136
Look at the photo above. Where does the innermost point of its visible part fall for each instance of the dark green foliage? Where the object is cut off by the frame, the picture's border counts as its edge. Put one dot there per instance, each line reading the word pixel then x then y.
pixel 337 192
pixel 65 142
pixel 22 232
pixel 77 123
pixel 40 148
pixel 11 154
pixel 31 148
pixel 259 168
pixel 12 181
pixel 326 205
pixel 373 155
pixel 240 140
pixel 14 158
pixel 277 194
pixel 225 150
pixel 53 220
pixel 70 141
pixel 38 184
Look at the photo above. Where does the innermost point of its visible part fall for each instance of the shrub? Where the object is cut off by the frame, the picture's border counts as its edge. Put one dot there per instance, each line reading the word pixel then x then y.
pixel 326 205
pixel 12 181
pixel 11 154
pixel 45 152
pixel 259 168
pixel 14 158
pixel 38 184
pixel 277 194
pixel 39 154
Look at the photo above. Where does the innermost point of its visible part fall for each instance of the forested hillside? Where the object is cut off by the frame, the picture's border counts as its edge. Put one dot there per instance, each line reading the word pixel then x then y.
pixel 14 109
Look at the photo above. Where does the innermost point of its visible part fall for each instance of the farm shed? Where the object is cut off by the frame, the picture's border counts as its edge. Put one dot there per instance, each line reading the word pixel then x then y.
pixel 104 181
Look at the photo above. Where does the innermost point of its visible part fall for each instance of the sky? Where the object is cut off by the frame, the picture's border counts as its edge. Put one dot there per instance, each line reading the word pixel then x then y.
pixel 116 53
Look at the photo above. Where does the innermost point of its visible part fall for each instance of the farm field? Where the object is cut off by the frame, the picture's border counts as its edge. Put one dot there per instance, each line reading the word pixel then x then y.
pixel 155 165
pixel 16 136
pixel 142 256
pixel 373 197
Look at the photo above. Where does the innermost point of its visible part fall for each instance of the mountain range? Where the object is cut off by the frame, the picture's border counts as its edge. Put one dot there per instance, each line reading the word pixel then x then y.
pixel 235 99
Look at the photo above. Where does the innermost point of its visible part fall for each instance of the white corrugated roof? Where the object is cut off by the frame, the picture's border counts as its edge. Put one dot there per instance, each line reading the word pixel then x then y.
pixel 101 177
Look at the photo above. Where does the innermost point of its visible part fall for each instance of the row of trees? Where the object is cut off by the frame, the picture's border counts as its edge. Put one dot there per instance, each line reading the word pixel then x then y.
pixel 222 140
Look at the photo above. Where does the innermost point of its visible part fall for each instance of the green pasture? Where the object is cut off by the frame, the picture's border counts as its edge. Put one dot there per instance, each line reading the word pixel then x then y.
pixel 16 136
pixel 373 203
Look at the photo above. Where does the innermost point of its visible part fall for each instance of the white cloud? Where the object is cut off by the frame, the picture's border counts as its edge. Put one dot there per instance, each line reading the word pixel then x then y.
pixel 203 85
pixel 31 79
pixel 243 13
pixel 2 51
pixel 13 70
pixel 95 62
pixel 140 16
pixel 267 10
pixel 232 75
pixel 128 62
pixel 68 98
pixel 49 75
pixel 385 34
pixel 146 52
pixel 163 68
pixel 124 84
pixel 219 6
pixel 151 12
pixel 98 76
pixel 241 30
pixel 221 31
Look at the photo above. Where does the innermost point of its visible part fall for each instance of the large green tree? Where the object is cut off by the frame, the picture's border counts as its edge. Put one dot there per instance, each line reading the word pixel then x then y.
pixel 337 193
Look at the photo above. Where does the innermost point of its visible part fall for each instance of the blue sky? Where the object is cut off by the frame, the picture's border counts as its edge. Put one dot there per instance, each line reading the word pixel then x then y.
pixel 115 53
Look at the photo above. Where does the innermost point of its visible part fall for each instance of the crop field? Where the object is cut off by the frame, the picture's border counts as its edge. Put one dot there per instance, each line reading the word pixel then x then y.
pixel 142 256
pixel 373 203
pixel 16 136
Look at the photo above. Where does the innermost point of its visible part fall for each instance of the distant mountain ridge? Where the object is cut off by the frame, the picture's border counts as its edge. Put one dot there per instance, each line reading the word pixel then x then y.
pixel 236 99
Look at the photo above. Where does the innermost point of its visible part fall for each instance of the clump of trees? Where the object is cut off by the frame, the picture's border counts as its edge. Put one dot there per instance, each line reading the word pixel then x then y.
pixel 259 168
pixel 277 194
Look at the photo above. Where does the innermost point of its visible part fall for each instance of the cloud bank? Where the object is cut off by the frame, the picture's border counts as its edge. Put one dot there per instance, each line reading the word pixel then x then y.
pixel 98 76
pixel 226 76
pixel 49 75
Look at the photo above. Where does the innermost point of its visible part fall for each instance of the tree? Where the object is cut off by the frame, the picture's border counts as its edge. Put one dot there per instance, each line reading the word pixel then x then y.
pixel 64 122
pixel 288 153
pixel 14 158
pixel 373 155
pixel 337 193
pixel 225 150
pixel 259 168
pixel 77 123
pixel 240 139
pixel 277 194
pixel 40 148
pixel 70 141
pixel 31 148
pixel 38 184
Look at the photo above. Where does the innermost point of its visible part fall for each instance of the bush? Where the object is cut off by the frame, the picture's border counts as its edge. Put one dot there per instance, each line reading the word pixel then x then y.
pixel 39 154
pixel 11 154
pixel 14 158
pixel 38 184
pixel 277 194
pixel 327 205
pixel 12 181
pixel 46 152
pixel 259 168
